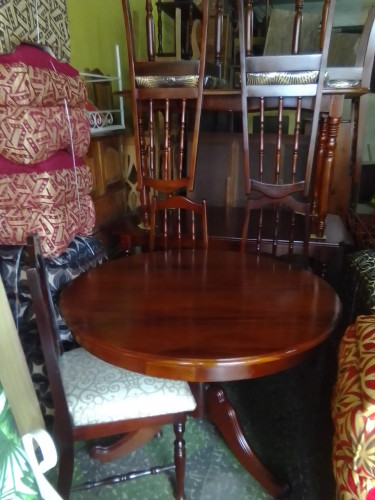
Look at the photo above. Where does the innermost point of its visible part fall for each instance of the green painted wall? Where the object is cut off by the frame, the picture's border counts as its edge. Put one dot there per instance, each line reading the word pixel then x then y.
pixel 95 28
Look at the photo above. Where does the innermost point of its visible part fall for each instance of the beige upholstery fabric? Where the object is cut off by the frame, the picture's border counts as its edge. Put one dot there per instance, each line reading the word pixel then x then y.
pixel 282 78
pixel 99 392
pixel 166 81
pixel 343 84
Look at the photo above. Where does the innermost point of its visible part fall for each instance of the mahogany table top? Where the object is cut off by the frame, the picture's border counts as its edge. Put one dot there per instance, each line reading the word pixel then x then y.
pixel 200 316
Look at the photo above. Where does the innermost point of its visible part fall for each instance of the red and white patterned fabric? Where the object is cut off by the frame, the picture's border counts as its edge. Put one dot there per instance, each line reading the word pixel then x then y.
pixel 33 190
pixel 56 204
pixel 25 85
pixel 56 225
pixel 353 412
pixel 29 135
pixel 44 134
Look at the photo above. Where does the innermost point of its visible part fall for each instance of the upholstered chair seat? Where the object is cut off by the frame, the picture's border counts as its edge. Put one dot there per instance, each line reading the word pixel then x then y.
pixel 99 392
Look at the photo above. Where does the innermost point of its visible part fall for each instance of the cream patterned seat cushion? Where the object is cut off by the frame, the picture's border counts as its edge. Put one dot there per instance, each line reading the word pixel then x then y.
pixel 99 392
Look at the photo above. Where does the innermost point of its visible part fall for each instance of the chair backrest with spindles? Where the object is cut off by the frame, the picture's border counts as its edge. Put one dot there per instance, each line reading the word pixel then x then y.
pixel 166 99
pixel 282 95
pixel 178 222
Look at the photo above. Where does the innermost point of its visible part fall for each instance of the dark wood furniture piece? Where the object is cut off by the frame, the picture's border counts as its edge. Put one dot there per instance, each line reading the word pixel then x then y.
pixel 83 411
pixel 332 104
pixel 214 316
pixel 106 160
pixel 329 236
pixel 163 96
pixel 325 195
pixel 177 226
pixel 225 225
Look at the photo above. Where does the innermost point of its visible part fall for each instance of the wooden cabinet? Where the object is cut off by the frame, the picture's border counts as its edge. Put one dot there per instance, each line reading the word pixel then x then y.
pixel 111 158
pixel 106 159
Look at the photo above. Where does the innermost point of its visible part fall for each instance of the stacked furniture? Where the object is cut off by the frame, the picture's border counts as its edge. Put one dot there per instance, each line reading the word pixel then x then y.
pixel 45 184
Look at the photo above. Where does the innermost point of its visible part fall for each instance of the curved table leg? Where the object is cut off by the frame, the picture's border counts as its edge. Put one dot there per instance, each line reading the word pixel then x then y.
pixel 124 445
pixel 223 415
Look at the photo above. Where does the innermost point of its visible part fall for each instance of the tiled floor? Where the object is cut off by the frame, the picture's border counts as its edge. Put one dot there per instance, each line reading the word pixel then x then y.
pixel 287 420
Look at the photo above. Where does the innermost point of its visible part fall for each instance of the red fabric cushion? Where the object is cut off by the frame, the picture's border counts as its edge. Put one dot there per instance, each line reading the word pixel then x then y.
pixel 61 159
pixel 35 56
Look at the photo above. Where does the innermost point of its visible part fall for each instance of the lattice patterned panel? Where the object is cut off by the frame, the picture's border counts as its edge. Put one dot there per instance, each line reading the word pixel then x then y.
pixel 130 174
pixel 42 22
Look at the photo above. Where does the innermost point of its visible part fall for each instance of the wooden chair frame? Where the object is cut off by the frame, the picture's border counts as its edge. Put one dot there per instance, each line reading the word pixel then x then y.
pixel 134 432
pixel 146 101
pixel 178 204
pixel 266 92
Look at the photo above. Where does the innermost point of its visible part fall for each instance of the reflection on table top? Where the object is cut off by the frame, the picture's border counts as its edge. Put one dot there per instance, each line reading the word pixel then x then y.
pixel 200 316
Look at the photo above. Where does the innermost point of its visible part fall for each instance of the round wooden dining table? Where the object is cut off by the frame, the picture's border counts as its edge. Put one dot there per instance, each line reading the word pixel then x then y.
pixel 205 317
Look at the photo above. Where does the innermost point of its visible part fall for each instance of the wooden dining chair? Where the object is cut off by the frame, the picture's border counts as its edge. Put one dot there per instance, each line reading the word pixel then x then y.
pixel 278 156
pixel 177 225
pixel 166 99
pixel 88 407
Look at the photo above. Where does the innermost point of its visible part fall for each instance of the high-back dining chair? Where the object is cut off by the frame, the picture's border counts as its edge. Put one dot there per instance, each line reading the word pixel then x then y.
pixel 178 225
pixel 86 408
pixel 279 155
pixel 166 99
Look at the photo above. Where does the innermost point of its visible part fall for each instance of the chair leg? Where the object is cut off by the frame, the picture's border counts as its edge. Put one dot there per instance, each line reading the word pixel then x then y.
pixel 179 455
pixel 66 466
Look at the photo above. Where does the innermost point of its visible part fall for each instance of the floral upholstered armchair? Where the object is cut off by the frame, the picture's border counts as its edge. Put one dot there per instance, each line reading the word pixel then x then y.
pixel 353 412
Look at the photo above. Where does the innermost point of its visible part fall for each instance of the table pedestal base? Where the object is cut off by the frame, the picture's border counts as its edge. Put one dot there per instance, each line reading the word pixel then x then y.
pixel 213 403
pixel 128 443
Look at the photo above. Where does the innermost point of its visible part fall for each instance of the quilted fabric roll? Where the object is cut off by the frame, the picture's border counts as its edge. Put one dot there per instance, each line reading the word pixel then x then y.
pixel 44 134
pixel 56 225
pixel 25 85
pixel 29 135
pixel 55 188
